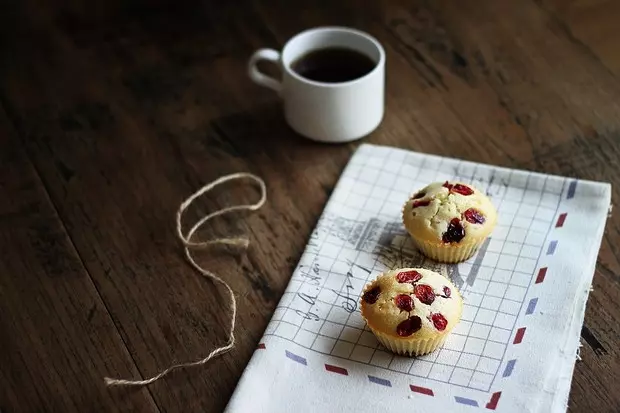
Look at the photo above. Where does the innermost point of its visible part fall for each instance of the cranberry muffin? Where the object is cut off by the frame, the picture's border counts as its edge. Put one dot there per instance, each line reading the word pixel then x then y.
pixel 411 311
pixel 449 221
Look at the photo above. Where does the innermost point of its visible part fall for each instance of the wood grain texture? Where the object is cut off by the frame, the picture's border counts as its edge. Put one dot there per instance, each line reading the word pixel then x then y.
pixel 125 108
pixel 58 338
pixel 592 23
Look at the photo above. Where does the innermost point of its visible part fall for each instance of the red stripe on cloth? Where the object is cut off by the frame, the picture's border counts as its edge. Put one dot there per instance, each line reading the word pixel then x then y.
pixel 541 275
pixel 261 346
pixel 519 335
pixel 422 390
pixel 561 220
pixel 336 369
pixel 494 400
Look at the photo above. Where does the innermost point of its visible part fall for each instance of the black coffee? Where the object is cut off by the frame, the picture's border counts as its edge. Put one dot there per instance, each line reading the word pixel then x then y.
pixel 333 65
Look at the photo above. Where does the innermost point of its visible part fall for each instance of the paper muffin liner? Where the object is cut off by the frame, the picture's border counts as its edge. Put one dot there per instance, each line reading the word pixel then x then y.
pixel 449 253
pixel 408 346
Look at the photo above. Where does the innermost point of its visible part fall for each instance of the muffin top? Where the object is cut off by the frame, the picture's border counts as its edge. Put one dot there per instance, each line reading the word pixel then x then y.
pixel 411 303
pixel 449 213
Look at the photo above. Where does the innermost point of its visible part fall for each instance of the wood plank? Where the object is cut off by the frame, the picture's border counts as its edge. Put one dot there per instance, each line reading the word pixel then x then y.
pixel 58 339
pixel 592 23
pixel 121 142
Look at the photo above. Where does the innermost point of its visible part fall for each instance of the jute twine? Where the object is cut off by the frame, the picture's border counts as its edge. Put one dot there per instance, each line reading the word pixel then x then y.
pixel 189 245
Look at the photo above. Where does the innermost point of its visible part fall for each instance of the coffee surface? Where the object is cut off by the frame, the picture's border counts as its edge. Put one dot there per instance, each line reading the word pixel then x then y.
pixel 333 65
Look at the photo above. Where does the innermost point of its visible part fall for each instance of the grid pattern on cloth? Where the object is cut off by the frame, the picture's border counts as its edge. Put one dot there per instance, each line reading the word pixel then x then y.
pixel 360 234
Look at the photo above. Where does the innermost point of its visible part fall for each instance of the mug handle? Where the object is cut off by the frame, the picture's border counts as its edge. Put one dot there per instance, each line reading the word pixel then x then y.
pixel 260 78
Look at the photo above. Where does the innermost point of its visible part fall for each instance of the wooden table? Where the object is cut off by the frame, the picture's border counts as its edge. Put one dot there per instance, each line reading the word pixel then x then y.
pixel 111 114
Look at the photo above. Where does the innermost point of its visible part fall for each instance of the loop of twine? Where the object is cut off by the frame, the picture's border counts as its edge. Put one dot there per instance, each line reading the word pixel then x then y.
pixel 188 244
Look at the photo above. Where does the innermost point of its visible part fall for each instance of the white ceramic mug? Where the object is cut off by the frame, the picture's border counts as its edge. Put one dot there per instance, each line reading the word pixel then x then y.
pixel 327 112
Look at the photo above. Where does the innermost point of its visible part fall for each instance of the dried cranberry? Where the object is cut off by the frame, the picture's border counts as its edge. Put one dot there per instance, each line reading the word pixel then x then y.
pixel 455 232
pixel 409 326
pixel 371 296
pixel 446 292
pixel 462 189
pixel 421 203
pixel 419 195
pixel 404 302
pixel 424 293
pixel 458 188
pixel 474 216
pixel 439 321
pixel 409 276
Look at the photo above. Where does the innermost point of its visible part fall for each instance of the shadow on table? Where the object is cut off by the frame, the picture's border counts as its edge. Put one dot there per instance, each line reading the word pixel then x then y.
pixel 260 129
pixel 261 134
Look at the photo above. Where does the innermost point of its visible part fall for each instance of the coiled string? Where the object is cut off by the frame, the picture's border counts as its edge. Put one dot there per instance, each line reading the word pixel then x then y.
pixel 188 244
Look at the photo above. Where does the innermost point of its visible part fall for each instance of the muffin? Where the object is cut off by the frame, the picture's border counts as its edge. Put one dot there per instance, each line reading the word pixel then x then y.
pixel 448 222
pixel 411 311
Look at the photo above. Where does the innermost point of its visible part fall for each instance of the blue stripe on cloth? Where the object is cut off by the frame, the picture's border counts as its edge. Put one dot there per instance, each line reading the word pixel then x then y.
pixel 380 381
pixel 296 358
pixel 571 190
pixel 551 248
pixel 509 367
pixel 468 402
pixel 531 306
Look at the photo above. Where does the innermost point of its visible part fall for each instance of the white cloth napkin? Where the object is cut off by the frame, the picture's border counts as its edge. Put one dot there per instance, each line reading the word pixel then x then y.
pixel 525 293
